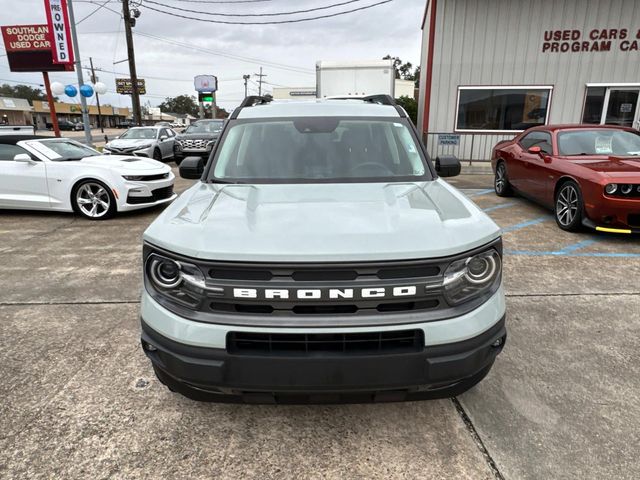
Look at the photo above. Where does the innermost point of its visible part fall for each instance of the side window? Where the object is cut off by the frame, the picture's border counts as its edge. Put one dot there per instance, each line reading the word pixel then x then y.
pixel 537 139
pixel 7 152
pixel 165 132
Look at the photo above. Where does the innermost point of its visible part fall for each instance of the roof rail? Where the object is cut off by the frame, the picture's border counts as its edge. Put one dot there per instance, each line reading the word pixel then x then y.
pixel 254 100
pixel 381 99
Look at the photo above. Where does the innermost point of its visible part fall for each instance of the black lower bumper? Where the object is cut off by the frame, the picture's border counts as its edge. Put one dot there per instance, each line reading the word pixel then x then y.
pixel 215 374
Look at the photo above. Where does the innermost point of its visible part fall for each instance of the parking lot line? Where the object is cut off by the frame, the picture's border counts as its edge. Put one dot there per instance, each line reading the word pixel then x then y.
pixel 481 192
pixel 497 207
pixel 577 246
pixel 521 225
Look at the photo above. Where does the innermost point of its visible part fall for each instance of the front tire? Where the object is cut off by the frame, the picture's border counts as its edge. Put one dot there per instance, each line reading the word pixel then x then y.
pixel 93 200
pixel 157 155
pixel 501 181
pixel 569 207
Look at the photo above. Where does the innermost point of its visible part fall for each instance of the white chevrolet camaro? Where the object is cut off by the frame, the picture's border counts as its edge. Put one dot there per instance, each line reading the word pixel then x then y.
pixel 44 173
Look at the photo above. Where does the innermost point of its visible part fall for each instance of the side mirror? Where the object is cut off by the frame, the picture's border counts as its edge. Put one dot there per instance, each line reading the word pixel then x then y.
pixel 163 138
pixel 192 168
pixel 535 150
pixel 23 157
pixel 448 166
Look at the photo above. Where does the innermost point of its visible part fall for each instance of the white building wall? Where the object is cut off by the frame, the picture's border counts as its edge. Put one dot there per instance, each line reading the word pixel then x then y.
pixel 500 42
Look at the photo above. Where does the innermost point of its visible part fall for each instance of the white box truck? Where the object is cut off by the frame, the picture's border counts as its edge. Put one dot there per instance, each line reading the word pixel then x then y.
pixel 354 78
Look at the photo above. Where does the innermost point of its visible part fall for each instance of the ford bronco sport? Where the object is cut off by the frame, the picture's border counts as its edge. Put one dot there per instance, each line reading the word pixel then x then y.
pixel 320 257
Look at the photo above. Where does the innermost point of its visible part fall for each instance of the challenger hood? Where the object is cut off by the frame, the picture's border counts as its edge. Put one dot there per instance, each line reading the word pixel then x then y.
pixel 321 222
pixel 611 166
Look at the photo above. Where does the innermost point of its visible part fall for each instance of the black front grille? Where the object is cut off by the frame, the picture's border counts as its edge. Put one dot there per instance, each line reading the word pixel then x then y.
pixel 156 195
pixel 151 178
pixel 162 193
pixel 301 344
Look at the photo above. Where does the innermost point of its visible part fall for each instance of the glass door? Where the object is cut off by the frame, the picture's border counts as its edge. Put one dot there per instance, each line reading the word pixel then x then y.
pixel 621 107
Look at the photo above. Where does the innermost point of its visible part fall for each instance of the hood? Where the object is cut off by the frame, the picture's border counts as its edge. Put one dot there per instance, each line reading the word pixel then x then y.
pixel 321 222
pixel 197 136
pixel 611 166
pixel 126 142
pixel 123 163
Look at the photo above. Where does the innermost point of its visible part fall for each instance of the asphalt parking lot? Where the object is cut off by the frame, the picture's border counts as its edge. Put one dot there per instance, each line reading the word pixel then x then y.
pixel 79 398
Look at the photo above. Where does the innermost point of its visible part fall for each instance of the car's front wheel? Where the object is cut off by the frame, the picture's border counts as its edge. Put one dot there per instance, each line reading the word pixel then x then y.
pixel 569 206
pixel 501 181
pixel 157 155
pixel 93 200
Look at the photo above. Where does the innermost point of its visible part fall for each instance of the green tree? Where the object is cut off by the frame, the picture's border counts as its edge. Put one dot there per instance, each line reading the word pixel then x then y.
pixel 411 106
pixel 404 71
pixel 23 91
pixel 180 104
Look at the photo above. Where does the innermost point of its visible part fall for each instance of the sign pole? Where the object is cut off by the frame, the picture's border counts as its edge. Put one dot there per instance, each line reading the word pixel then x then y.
pixel 52 105
pixel 83 101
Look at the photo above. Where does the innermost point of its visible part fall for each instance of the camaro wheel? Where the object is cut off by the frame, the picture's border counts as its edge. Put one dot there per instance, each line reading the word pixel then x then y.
pixel 569 207
pixel 94 200
pixel 501 181
pixel 157 155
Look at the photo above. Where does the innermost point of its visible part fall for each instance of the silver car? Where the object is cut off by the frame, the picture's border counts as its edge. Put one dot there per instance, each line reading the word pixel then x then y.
pixel 153 142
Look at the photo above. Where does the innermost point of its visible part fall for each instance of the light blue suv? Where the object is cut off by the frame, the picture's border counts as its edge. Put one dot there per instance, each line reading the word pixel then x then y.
pixel 321 258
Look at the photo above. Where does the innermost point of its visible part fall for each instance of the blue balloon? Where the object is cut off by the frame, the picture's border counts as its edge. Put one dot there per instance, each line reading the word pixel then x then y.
pixel 86 90
pixel 70 91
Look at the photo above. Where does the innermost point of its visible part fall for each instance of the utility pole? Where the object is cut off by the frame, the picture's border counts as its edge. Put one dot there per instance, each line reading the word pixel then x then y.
pixel 260 75
pixel 93 80
pixel 135 95
pixel 245 77
pixel 83 101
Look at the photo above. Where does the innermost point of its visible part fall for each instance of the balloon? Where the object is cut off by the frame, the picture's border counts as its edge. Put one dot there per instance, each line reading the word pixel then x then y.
pixel 86 90
pixel 57 88
pixel 70 91
pixel 100 88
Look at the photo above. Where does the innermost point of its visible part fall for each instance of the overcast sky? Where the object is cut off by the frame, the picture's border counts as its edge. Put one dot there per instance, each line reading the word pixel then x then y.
pixel 288 52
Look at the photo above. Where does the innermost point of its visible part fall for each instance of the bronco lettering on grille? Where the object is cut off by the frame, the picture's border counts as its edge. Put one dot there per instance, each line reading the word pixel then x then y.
pixel 329 293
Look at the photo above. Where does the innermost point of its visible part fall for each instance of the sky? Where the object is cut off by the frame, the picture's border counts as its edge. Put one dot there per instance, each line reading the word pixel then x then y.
pixel 171 50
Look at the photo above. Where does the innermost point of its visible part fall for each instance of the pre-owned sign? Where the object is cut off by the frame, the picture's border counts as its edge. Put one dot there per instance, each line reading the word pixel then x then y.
pixel 58 21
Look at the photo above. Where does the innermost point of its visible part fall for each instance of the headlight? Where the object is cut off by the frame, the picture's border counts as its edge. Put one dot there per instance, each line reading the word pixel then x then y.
pixel 133 178
pixel 470 277
pixel 143 147
pixel 626 189
pixel 611 188
pixel 210 144
pixel 178 281
pixel 177 145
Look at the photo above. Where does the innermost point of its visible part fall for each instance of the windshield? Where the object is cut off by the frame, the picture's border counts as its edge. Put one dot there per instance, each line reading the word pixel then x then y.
pixel 599 142
pixel 204 127
pixel 61 150
pixel 140 134
pixel 319 150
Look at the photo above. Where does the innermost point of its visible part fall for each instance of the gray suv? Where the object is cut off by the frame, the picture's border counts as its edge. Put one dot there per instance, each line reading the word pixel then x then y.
pixel 321 258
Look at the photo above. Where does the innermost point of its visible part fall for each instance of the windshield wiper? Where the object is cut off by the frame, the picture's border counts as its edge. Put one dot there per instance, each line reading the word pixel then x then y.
pixel 225 182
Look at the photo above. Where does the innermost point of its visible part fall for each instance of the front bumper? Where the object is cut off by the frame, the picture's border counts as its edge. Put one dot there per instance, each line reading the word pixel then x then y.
pixel 616 215
pixel 218 373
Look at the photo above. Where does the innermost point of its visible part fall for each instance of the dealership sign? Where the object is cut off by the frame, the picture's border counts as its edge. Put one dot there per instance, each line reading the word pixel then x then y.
pixel 205 83
pixel 58 21
pixel 594 40
pixel 29 49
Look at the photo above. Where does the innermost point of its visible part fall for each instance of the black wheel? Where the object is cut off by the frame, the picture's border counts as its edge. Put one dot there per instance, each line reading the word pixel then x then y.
pixel 177 160
pixel 569 207
pixel 157 155
pixel 501 181
pixel 93 200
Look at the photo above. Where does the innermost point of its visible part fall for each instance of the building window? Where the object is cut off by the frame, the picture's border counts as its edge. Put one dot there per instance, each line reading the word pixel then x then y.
pixel 593 103
pixel 502 109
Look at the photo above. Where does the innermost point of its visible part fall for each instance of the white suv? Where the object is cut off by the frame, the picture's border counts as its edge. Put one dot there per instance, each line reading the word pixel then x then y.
pixel 321 258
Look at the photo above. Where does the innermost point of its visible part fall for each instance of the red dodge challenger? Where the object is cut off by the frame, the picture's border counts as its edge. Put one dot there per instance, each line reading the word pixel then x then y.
pixel 588 174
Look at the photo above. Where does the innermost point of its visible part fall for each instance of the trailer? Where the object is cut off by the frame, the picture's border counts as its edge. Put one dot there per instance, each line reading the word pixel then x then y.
pixel 355 78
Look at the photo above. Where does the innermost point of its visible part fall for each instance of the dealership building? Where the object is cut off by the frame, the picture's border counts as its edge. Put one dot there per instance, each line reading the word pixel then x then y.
pixel 492 68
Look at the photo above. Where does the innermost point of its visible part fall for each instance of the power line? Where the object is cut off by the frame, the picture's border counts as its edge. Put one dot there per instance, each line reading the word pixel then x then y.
pixel 273 14
pixel 271 22
pixel 258 61
pixel 96 10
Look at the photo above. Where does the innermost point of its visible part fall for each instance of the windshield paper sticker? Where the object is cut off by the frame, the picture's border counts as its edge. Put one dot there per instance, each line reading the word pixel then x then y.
pixel 40 147
pixel 603 145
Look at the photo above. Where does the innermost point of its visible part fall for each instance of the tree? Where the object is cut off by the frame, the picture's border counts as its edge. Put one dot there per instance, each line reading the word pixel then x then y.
pixel 411 106
pixel 180 104
pixel 23 91
pixel 404 71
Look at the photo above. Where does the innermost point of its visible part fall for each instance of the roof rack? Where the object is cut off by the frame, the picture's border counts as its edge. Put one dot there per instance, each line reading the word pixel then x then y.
pixel 380 99
pixel 254 100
